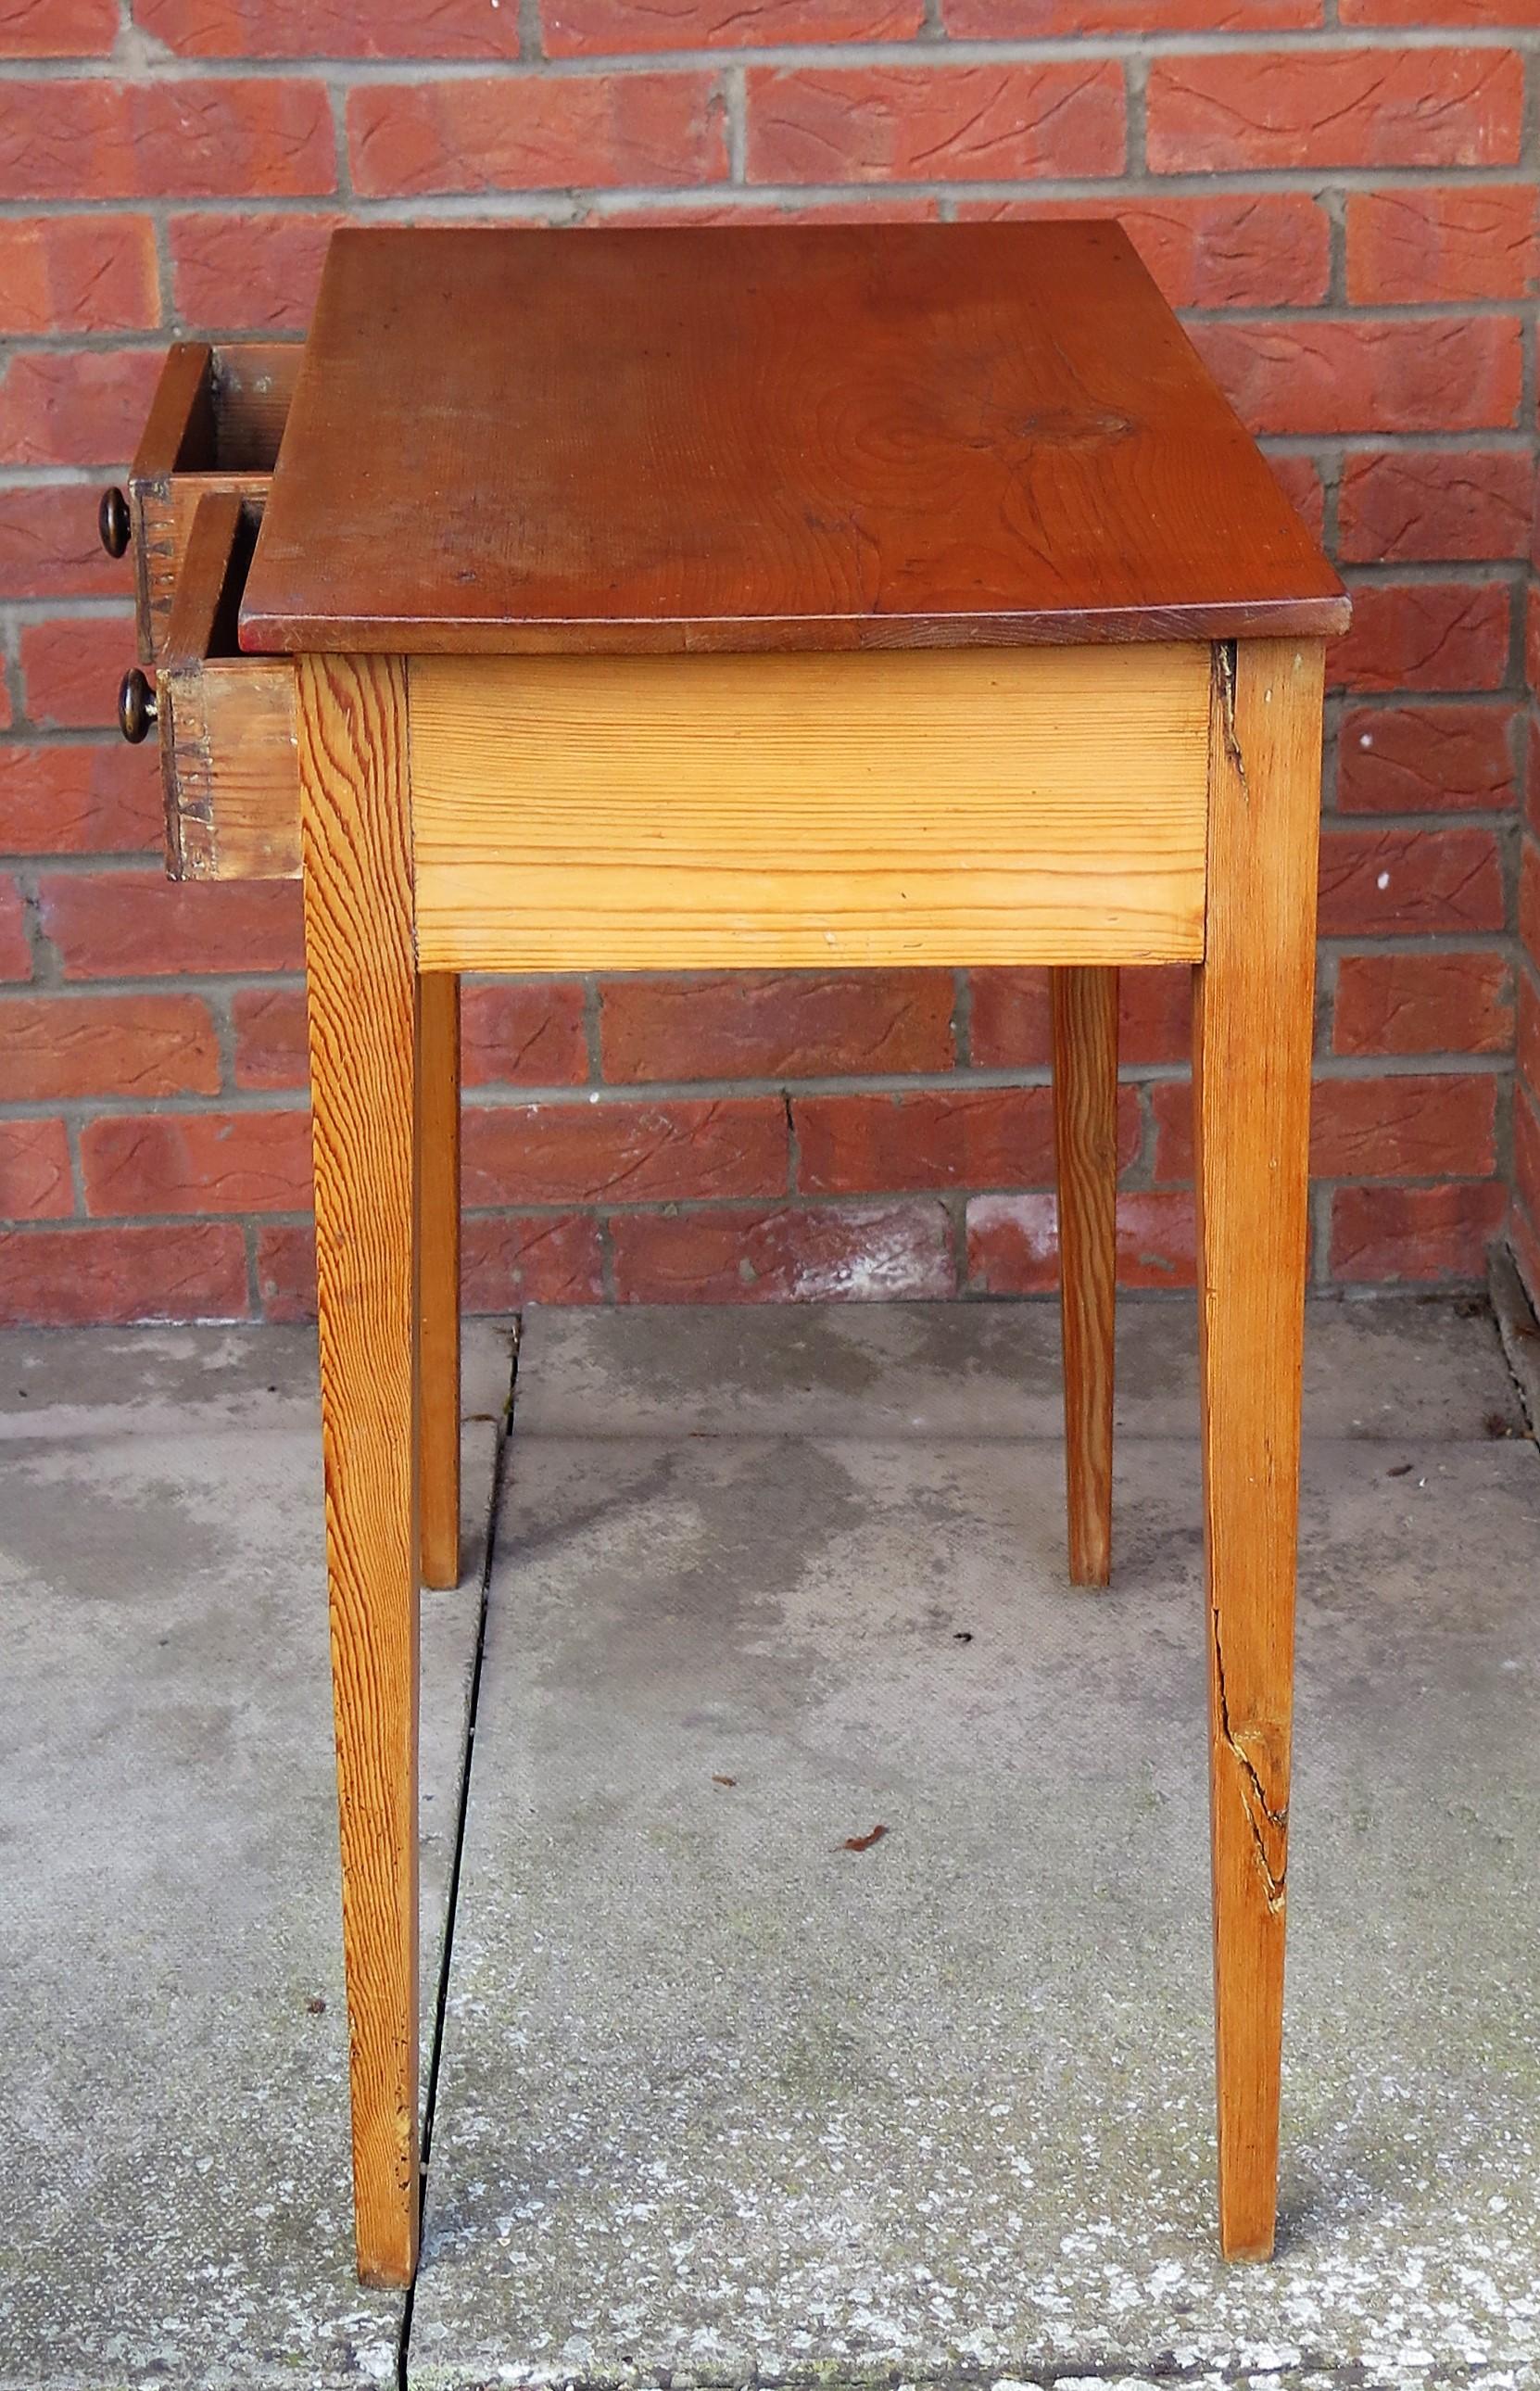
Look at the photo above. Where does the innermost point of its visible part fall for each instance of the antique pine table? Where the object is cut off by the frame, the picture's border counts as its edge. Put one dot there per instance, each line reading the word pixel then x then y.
pixel 682 599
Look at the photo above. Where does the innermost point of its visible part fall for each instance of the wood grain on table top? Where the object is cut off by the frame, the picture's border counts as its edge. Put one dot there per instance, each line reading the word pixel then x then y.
pixel 884 436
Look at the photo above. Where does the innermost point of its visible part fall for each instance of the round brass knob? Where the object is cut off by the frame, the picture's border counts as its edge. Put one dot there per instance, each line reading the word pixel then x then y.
pixel 137 709
pixel 113 521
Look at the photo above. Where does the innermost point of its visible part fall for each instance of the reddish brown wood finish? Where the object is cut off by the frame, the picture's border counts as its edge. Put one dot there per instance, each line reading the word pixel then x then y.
pixel 884 436
pixel 1085 1132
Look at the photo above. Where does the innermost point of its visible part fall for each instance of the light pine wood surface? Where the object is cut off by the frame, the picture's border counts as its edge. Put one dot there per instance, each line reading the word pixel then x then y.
pixel 363 1000
pixel 1252 1099
pixel 951 807
pixel 1085 1125
pixel 438 1329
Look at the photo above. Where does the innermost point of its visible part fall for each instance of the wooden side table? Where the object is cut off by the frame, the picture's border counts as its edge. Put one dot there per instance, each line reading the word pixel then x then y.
pixel 710 598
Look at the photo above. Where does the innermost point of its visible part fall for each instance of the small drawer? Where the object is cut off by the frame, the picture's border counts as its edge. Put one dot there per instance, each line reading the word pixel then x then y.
pixel 226 722
pixel 214 429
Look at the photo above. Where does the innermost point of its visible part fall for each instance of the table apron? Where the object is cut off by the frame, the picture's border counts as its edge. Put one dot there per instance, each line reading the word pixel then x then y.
pixel 945 807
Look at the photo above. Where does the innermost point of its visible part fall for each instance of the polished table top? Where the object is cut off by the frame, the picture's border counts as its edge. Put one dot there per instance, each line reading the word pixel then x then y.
pixel 681 439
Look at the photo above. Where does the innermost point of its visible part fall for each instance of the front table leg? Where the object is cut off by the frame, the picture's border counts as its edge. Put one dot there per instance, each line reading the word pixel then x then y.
pixel 1251 1073
pixel 352 715
pixel 1085 1137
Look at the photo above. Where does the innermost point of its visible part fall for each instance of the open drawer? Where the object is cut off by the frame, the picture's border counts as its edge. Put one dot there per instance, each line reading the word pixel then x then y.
pixel 226 723
pixel 214 429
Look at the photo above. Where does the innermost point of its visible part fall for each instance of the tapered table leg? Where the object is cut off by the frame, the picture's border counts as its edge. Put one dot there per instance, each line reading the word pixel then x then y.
pixel 1085 1123
pixel 1251 1072
pixel 438 1114
pixel 363 1064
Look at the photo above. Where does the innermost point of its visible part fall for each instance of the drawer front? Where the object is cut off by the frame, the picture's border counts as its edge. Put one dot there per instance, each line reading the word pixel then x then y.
pixel 945 806
pixel 228 749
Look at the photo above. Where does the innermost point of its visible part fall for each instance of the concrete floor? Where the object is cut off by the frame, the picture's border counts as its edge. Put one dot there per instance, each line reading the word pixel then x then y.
pixel 719 2098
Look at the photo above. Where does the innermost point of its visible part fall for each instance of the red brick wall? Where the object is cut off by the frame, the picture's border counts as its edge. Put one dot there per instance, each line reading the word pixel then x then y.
pixel 1338 193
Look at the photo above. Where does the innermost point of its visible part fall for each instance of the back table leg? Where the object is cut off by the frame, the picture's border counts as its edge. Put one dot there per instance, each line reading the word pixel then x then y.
pixel 364 1067
pixel 438 1110
pixel 1085 1128
pixel 1251 1073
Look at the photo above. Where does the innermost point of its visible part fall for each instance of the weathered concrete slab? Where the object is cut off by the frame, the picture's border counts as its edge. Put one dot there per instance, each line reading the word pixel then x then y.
pixel 723 2097
pixel 1386 1367
pixel 172 2041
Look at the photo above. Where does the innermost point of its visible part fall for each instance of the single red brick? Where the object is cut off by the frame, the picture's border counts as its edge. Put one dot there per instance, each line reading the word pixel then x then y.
pixel 1525 1238
pixel 112 925
pixel 1252 249
pixel 1528 1052
pixel 1434 505
pixel 532 133
pixel 1155 1014
pixel 1013 1242
pixel 1026 20
pixel 196 1162
pixel 58 29
pixel 271 1050
pixel 34 1171
pixel 616 1152
pixel 792 1254
pixel 1441 1126
pixel 1469 241
pixel 599 27
pixel 1376 883
pixel 184 137
pixel 511 1259
pixel 49 546
pixel 931 1137
pixel 1418 1235
pixel 775 1025
pixel 1440 12
pixel 946 123
pixel 1531 638
pixel 78 799
pixel 1434 1126
pixel 1234 110
pixel 70 667
pixel 1010 1022
pixel 16 955
pixel 1300 479
pixel 1421 1004
pixel 1531 776
pixel 52 1278
pixel 1436 634
pixel 507 1261
pixel 248 272
pixel 78 274
pixel 75 406
pixel 286 1271
pixel 1526 1181
pixel 1528 897
pixel 1372 373
pixel 56 1046
pixel 524 1033
pixel 1408 759
pixel 330 29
